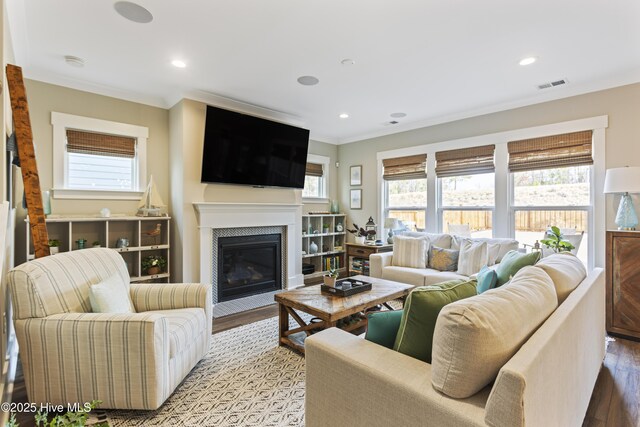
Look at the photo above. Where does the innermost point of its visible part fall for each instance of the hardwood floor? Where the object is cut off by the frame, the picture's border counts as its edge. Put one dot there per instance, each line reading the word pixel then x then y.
pixel 615 401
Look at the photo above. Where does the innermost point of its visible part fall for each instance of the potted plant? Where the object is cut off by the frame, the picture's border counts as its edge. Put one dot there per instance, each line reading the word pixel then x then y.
pixel 325 228
pixel 153 264
pixel 554 240
pixel 96 244
pixel 331 277
pixel 360 233
pixel 54 246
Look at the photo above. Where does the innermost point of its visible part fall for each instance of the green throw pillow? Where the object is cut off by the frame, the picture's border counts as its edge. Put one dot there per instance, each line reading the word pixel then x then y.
pixel 487 279
pixel 421 309
pixel 512 262
pixel 382 327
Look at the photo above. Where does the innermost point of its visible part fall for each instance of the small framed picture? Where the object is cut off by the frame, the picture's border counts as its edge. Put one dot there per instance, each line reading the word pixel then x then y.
pixel 356 175
pixel 355 198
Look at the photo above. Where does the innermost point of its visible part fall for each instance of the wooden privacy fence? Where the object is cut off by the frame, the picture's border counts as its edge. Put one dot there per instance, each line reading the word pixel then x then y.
pixel 482 220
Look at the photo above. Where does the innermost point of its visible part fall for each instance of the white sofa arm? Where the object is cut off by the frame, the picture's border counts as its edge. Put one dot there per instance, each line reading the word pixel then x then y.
pixel 379 261
pixel 349 378
pixel 120 359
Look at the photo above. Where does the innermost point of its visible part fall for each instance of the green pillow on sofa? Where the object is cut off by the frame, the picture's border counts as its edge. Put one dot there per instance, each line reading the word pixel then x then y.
pixel 421 309
pixel 512 262
pixel 382 327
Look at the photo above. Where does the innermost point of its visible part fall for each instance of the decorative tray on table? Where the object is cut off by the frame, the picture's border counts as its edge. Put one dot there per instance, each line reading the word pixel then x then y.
pixel 347 287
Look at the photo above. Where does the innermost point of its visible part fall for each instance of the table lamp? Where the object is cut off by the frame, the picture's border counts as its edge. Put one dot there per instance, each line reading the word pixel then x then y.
pixel 391 224
pixel 624 181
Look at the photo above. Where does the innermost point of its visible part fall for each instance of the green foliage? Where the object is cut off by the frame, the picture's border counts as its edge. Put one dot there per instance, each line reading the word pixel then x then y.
pixel 68 419
pixel 360 232
pixel 333 272
pixel 154 261
pixel 54 243
pixel 554 240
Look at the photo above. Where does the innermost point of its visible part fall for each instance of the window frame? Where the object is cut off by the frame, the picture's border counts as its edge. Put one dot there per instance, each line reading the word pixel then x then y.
pixel 442 208
pixel 388 208
pixel 61 122
pixel 325 161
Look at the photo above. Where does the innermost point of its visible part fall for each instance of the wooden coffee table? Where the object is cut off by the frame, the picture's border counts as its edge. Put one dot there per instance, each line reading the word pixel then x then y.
pixel 329 308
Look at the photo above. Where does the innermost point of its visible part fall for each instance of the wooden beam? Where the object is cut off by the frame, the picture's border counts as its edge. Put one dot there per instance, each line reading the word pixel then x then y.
pixel 27 156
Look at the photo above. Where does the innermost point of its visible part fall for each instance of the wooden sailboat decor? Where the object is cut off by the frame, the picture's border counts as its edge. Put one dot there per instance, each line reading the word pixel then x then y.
pixel 151 203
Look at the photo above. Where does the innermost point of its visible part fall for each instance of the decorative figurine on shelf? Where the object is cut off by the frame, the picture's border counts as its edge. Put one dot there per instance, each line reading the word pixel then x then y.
pixel 339 227
pixel 335 208
pixel 154 233
pixel 370 226
pixel 150 204
pixel 81 243
pixel 313 248
pixel 122 242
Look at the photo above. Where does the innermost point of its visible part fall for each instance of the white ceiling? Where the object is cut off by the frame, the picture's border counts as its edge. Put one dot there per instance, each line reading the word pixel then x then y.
pixel 435 60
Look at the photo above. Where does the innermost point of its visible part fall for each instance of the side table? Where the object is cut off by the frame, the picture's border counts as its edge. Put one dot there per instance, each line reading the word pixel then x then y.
pixel 358 257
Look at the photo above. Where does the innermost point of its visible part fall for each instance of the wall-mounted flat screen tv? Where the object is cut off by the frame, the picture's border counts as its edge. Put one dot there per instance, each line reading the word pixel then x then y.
pixel 247 150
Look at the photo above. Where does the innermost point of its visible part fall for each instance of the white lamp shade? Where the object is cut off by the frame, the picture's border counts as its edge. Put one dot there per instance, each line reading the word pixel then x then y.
pixel 622 180
pixel 391 223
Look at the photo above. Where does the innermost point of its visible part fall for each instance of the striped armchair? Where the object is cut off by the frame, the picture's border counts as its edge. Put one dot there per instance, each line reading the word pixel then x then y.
pixel 128 361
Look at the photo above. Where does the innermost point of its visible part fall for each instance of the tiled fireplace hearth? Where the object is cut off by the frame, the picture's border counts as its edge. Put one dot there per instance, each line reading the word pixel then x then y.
pixel 240 224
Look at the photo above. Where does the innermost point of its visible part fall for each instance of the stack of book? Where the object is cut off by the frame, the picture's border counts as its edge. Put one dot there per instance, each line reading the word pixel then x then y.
pixel 360 265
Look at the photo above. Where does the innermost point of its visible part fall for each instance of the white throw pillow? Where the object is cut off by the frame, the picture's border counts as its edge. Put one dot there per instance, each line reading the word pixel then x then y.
pixel 410 252
pixel 110 296
pixel 473 255
pixel 493 251
pixel 439 240
pixel 474 337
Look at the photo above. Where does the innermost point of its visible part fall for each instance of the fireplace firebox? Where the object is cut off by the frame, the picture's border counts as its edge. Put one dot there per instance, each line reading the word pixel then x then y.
pixel 248 265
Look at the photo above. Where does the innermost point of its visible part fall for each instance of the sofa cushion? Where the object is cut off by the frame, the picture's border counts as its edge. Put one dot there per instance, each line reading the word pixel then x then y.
pixel 415 334
pixel 382 327
pixel 493 252
pixel 486 279
pixel 512 263
pixel 442 259
pixel 504 245
pixel 418 276
pixel 566 271
pixel 439 240
pixel 472 256
pixel 111 296
pixel 184 326
pixel 410 251
pixel 476 336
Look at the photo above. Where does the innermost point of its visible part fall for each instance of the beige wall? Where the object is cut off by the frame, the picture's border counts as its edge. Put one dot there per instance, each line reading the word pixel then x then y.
pixel 621 104
pixel 187 120
pixel 44 98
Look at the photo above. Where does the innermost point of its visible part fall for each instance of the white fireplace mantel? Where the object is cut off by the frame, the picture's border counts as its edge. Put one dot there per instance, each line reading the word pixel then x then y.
pixel 235 215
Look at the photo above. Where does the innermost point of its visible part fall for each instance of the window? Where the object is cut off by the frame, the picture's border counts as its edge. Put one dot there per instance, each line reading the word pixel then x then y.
pixel 552 187
pixel 406 190
pixel 316 178
pixel 97 159
pixel 467 190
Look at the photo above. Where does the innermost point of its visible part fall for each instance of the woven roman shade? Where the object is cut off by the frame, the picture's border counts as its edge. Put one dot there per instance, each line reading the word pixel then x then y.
pixel 314 169
pixel 408 167
pixel 556 151
pixel 465 161
pixel 100 144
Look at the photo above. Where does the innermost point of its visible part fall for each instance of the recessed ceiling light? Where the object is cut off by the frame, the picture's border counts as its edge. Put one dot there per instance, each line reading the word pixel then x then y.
pixel 528 60
pixel 344 116
pixel 178 64
pixel 74 61
pixel 347 62
pixel 308 80
pixel 398 115
pixel 133 12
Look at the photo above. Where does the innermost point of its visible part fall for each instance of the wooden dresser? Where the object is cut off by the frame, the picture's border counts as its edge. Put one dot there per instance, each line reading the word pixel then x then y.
pixel 623 283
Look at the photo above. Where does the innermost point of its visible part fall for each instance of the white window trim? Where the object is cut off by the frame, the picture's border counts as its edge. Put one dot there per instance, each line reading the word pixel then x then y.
pixel 503 214
pixel 61 122
pixel 324 187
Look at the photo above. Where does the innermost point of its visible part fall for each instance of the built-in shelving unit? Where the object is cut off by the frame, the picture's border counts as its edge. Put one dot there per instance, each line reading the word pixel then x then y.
pixel 146 236
pixel 323 230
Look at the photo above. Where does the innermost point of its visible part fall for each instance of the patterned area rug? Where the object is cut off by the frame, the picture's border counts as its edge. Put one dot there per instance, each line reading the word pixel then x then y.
pixel 246 379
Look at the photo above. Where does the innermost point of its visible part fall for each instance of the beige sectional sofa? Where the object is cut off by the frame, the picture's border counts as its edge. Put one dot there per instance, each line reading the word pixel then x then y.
pixel 546 381
pixel 381 265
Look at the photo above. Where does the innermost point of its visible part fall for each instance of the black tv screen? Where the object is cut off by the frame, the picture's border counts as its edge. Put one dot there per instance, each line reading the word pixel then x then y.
pixel 247 150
